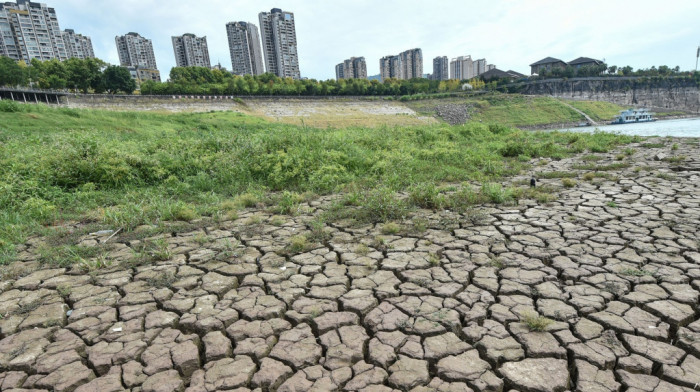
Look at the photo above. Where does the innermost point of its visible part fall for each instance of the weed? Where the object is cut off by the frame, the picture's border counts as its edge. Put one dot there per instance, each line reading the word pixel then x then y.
pixel 589 176
pixel 591 158
pixel 535 322
pixel 628 151
pixel 390 228
pixel 253 220
pixel 611 204
pixel 496 263
pixel 379 243
pixel 426 195
pixel 201 239
pixel 612 166
pixel 64 291
pixel 557 174
pixel 247 200
pixel 676 159
pixel 97 263
pixel 419 225
pixel 318 231
pixel 286 203
pixel 163 280
pixel 434 259
pixel 362 250
pixel 277 221
pixel 26 308
pixel 635 272
pixel 568 182
pixel 620 157
pixel 665 176
pixel 298 244
pixel 653 145
pixel 315 312
pixel 495 193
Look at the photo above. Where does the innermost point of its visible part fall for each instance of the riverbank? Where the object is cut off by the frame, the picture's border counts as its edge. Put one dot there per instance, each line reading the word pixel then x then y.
pixel 593 275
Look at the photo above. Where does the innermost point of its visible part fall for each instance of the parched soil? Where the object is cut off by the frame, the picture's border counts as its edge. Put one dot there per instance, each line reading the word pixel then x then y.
pixel 595 291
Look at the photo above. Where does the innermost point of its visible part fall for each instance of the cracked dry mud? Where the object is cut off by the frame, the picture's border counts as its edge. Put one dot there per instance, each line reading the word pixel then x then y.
pixel 615 265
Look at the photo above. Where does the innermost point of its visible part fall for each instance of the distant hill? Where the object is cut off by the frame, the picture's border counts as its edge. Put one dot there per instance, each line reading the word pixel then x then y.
pixel 375 77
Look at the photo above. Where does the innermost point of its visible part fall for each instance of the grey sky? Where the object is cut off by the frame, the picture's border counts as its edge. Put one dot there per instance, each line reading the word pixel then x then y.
pixel 509 33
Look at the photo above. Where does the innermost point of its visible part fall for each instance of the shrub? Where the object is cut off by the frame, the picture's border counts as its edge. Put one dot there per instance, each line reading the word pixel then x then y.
pixel 568 182
pixel 496 194
pixel 390 228
pixel 535 322
pixel 9 106
pixel 426 195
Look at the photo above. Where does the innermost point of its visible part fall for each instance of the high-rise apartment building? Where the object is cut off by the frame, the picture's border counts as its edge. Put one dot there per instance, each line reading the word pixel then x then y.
pixel 30 30
pixel 191 51
pixel 136 53
pixel 279 39
pixel 391 67
pixel 340 71
pixel 352 68
pixel 462 68
pixel 406 65
pixel 244 47
pixel 441 68
pixel 412 63
pixel 479 67
pixel 77 45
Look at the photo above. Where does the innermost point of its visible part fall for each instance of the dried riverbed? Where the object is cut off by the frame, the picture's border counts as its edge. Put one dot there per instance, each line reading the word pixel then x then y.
pixel 595 291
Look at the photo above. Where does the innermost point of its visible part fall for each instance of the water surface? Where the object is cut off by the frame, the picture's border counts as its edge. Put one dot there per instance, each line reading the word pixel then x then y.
pixel 685 127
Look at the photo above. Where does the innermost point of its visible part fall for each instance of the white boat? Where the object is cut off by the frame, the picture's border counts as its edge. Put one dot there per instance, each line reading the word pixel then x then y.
pixel 633 116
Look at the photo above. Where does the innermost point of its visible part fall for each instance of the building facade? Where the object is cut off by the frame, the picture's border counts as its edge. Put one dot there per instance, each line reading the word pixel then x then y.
pixel 191 51
pixel 441 68
pixel 479 67
pixel 412 63
pixel 77 45
pixel 244 47
pixel 406 65
pixel 352 68
pixel 279 41
pixel 136 53
pixel 30 30
pixel 462 68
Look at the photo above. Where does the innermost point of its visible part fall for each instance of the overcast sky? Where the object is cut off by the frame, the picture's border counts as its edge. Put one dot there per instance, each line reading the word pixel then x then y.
pixel 509 33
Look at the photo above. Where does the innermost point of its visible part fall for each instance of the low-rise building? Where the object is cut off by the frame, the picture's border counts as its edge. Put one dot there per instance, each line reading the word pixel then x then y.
pixel 546 64
pixel 584 62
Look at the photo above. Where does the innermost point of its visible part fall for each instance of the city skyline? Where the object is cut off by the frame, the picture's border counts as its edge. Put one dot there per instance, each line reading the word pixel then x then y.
pixel 511 35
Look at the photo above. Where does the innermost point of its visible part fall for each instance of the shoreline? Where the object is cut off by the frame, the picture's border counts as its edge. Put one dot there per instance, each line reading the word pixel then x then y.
pixel 572 126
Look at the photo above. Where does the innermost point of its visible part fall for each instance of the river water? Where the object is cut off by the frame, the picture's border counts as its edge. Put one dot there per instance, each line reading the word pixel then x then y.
pixel 685 127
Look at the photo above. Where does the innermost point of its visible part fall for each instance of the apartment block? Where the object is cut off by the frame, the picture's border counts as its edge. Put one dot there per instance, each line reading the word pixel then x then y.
pixel 406 65
pixel 479 67
pixel 391 67
pixel 136 52
pixel 412 63
pixel 30 30
pixel 191 51
pixel 441 68
pixel 279 41
pixel 340 71
pixel 352 68
pixel 244 47
pixel 462 68
pixel 77 45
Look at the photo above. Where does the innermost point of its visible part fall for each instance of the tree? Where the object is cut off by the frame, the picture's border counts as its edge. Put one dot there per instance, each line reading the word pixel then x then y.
pixel 626 70
pixel 612 70
pixel 11 73
pixel 118 79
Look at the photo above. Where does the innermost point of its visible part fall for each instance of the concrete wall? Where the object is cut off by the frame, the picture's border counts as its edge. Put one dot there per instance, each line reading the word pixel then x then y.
pixel 668 94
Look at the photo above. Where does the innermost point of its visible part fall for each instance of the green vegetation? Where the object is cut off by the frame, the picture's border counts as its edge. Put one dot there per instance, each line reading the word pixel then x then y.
pixel 517 110
pixel 597 110
pixel 116 170
pixel 535 322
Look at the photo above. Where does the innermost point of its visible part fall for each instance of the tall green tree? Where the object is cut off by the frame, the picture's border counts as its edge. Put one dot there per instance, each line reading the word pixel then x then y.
pixel 11 73
pixel 118 79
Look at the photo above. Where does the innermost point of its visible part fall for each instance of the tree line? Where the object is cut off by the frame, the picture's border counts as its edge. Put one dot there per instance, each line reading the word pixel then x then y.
pixel 96 76
pixel 86 75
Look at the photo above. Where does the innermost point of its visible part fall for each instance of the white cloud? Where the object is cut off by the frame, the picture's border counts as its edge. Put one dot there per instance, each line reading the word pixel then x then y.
pixel 508 33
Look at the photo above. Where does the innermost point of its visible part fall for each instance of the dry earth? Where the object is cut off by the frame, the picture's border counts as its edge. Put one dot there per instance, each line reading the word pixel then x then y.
pixel 614 263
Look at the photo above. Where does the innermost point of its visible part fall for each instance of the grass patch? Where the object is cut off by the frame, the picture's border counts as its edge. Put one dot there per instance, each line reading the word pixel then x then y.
pixel 635 272
pixel 610 167
pixel 535 322
pixel 128 169
pixel 557 174
pixel 597 110
pixel 568 182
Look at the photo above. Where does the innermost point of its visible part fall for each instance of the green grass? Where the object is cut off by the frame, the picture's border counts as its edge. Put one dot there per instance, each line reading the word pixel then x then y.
pixel 518 111
pixel 535 322
pixel 125 169
pixel 598 110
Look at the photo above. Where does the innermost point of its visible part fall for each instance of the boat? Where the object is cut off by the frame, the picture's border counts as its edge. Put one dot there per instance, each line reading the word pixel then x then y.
pixel 633 116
